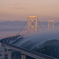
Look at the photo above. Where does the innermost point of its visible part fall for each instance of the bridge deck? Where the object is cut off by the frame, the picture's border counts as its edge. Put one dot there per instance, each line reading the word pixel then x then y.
pixel 25 51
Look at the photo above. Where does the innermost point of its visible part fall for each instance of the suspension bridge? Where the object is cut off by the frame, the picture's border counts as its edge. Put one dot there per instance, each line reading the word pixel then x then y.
pixel 32 25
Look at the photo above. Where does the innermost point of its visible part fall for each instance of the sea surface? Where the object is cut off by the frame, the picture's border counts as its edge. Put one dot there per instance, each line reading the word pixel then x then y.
pixel 4 34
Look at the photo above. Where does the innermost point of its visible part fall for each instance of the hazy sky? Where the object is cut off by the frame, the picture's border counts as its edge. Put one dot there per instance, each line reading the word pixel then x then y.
pixel 20 9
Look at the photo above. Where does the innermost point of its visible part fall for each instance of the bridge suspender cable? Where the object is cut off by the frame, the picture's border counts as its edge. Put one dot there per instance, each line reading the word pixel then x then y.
pixel 39 24
pixel 23 27
pixel 29 30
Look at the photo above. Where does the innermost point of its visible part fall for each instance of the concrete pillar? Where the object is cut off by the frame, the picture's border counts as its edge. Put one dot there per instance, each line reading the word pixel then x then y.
pixel 23 56
pixel 3 51
pixel 9 53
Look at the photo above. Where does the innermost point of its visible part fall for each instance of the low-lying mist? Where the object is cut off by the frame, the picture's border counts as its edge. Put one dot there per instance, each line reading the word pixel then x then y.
pixel 43 36
pixel 38 38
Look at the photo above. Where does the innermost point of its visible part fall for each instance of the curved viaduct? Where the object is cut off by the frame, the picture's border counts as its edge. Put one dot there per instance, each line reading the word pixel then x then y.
pixel 6 44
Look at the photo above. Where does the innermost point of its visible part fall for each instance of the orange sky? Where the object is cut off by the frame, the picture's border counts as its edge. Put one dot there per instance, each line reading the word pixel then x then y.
pixel 20 9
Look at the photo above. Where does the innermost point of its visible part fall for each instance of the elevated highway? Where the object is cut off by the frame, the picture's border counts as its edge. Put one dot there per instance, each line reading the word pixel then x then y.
pixel 6 44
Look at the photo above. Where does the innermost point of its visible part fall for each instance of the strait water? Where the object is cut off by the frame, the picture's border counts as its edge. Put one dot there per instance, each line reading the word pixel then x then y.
pixel 4 34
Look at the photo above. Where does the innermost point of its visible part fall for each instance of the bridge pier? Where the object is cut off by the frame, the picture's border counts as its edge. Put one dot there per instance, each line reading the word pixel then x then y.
pixel 23 56
pixel 3 51
pixel 9 53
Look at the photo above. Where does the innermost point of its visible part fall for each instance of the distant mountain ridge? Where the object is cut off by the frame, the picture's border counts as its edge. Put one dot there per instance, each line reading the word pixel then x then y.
pixel 17 23
pixel 13 23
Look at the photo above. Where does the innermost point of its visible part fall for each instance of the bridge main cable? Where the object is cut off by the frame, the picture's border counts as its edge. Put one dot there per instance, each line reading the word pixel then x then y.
pixel 22 28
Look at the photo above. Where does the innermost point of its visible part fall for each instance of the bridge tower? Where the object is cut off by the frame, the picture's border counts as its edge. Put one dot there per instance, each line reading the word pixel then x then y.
pixel 32 23
pixel 51 24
